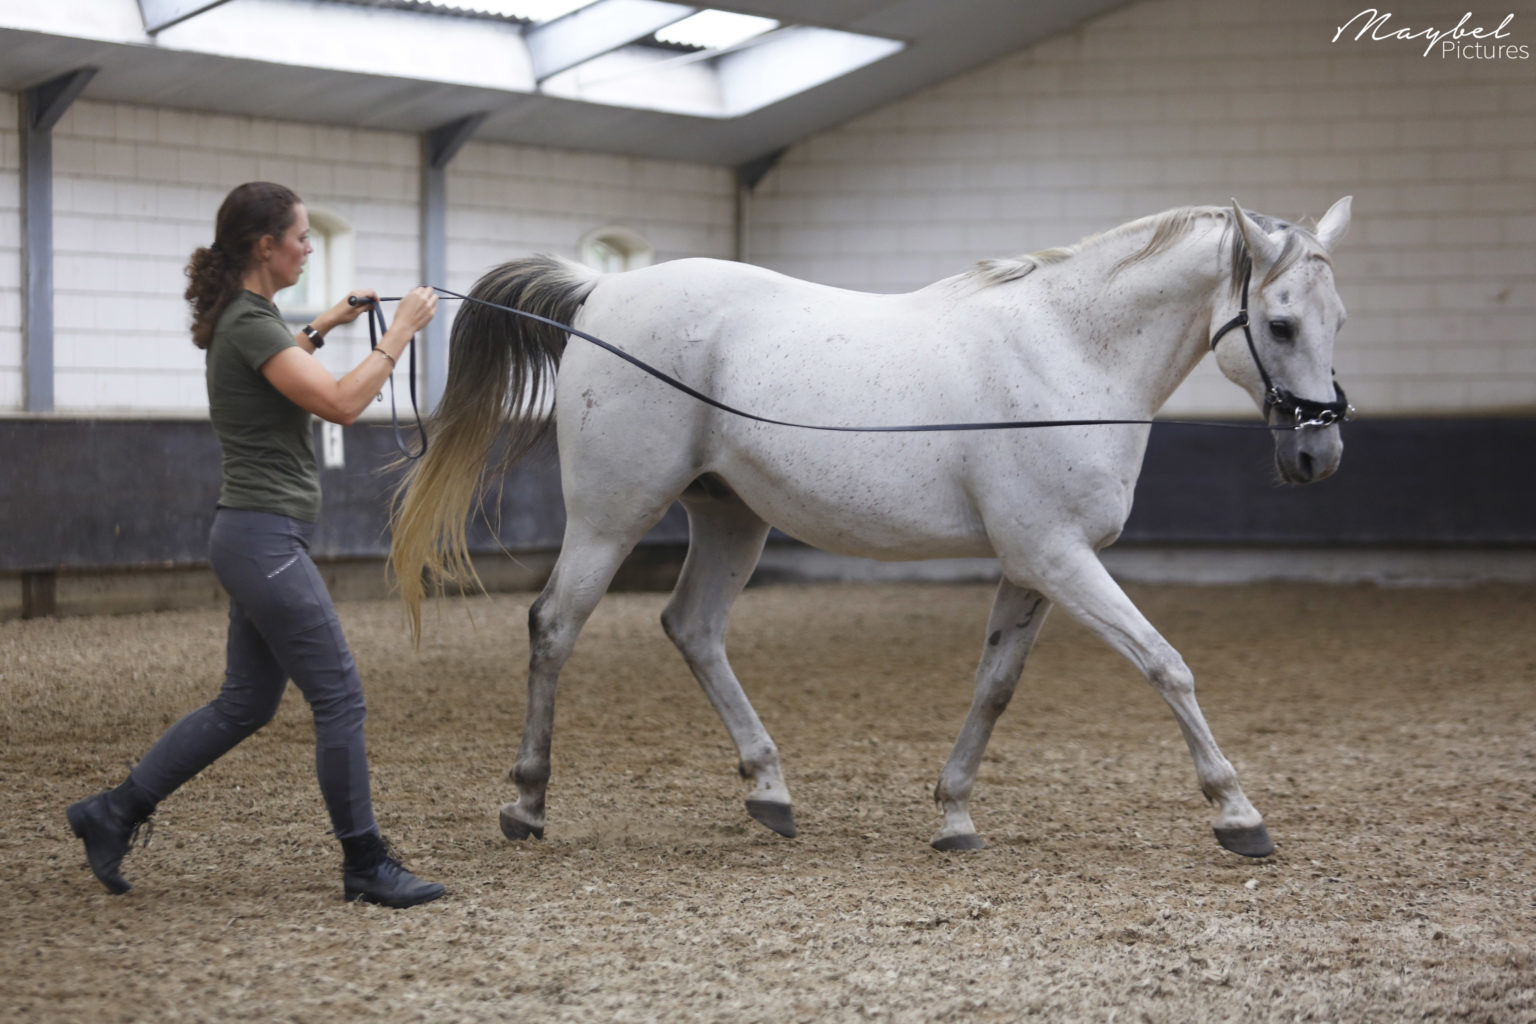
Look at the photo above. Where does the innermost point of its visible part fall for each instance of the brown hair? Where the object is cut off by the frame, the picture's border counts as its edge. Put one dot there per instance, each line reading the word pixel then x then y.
pixel 215 272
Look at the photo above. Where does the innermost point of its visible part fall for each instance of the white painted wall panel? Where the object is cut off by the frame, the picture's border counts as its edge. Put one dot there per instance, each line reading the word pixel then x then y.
pixel 1173 102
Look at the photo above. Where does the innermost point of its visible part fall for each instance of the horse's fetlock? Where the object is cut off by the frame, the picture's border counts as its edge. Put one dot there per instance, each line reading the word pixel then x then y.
pixel 531 775
pixel 950 791
pixel 755 764
pixel 1218 785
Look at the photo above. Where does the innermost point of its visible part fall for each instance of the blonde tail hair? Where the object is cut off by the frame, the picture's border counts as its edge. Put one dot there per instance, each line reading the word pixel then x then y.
pixel 501 369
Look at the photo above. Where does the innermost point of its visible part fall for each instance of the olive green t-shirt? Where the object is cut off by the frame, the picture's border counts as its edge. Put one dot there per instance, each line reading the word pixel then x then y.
pixel 269 448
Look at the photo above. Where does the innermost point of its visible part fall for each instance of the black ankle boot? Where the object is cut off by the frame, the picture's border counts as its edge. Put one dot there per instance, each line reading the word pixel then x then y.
pixel 372 873
pixel 108 823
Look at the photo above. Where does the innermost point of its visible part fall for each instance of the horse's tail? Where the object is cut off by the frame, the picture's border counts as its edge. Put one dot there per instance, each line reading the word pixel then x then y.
pixel 501 371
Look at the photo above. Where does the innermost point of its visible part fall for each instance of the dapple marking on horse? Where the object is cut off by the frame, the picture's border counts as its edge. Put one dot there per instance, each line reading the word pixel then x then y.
pixel 1104 329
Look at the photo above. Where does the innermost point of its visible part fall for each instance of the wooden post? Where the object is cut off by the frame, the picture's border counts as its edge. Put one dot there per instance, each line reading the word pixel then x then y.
pixel 39 594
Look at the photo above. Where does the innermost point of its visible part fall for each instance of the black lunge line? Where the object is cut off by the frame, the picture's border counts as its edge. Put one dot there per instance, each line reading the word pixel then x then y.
pixel 376 329
pixel 1338 411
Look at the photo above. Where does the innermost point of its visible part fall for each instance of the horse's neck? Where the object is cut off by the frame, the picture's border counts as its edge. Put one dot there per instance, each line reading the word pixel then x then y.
pixel 1146 325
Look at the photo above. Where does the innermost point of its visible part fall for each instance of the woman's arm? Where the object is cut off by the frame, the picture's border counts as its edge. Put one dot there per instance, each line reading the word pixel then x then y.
pixel 304 380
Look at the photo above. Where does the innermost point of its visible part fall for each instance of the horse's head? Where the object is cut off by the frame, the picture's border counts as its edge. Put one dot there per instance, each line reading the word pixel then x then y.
pixel 1293 313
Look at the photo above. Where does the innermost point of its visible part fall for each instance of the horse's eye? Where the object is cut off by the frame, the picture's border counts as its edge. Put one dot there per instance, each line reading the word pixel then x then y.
pixel 1282 330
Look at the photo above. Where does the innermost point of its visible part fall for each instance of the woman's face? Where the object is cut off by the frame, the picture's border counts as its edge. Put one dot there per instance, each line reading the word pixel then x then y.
pixel 291 251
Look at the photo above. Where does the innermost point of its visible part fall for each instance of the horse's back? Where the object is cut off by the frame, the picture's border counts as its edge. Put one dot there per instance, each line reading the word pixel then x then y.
pixel 791 349
pixel 710 298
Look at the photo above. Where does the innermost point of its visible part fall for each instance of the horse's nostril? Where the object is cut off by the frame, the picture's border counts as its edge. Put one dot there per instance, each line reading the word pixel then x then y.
pixel 1305 463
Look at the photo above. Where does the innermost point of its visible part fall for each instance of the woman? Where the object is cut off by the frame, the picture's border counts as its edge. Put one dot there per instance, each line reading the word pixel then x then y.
pixel 263 384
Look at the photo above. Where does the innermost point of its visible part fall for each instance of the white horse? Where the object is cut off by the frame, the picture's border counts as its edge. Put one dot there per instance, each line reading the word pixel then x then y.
pixel 1105 329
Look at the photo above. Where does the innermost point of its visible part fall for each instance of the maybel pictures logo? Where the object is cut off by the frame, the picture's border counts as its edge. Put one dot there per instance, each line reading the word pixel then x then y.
pixel 1463 41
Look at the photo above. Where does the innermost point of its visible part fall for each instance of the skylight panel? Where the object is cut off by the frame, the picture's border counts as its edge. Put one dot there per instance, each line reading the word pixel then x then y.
pixel 732 82
pixel 534 11
pixel 670 56
pixel 710 29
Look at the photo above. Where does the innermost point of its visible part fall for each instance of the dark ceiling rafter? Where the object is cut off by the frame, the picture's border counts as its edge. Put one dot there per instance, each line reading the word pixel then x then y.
pixel 47 101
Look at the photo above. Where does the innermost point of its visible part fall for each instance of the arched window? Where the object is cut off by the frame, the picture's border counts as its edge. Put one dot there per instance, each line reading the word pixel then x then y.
pixel 613 249
pixel 329 272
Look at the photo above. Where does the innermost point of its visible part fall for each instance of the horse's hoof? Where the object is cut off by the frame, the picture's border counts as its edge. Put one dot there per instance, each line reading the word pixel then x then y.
pixel 779 817
pixel 1252 841
pixel 514 827
pixel 964 841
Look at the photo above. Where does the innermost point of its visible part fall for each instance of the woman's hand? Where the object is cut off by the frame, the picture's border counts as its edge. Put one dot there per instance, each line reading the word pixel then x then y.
pixel 417 307
pixel 344 312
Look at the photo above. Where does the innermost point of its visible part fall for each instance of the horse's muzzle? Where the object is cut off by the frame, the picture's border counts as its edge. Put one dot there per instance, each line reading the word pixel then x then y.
pixel 1308 455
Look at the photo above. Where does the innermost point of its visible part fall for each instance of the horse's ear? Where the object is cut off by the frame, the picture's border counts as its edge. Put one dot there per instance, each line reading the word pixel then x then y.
pixel 1265 250
pixel 1334 224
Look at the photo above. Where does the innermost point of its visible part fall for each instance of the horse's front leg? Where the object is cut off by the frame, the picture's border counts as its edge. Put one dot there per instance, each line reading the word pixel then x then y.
pixel 1079 583
pixel 1017 615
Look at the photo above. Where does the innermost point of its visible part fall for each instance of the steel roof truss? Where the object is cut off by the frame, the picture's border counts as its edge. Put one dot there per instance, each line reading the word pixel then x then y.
pixel 595 30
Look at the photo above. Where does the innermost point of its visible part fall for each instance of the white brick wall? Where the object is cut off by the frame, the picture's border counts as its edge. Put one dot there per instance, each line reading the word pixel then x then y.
pixel 510 200
pixel 1173 102
pixel 136 190
pixel 11 379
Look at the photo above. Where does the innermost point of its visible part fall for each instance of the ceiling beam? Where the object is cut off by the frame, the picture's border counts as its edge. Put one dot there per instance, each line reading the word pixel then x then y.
pixel 595 30
pixel 753 171
pixel 46 103
pixel 162 14
pixel 443 143
pixel 41 107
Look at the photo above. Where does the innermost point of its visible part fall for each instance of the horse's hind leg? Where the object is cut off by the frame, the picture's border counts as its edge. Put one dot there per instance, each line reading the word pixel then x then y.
pixel 1081 585
pixel 588 559
pixel 725 541
pixel 1017 615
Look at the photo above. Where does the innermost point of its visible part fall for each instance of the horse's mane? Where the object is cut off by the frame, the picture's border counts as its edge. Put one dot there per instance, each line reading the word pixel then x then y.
pixel 1166 228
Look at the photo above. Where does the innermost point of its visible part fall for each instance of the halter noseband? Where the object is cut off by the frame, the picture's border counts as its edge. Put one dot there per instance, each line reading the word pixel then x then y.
pixel 1304 411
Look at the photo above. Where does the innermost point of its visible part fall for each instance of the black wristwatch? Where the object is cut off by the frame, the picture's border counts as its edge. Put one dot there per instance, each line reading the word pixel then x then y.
pixel 315 337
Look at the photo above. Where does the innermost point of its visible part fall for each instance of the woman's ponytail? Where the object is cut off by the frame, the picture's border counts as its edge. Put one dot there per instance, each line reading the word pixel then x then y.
pixel 212 280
